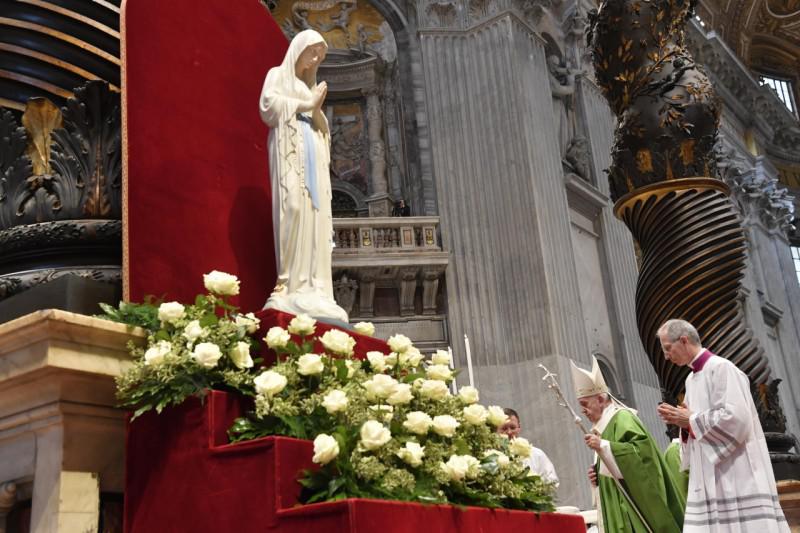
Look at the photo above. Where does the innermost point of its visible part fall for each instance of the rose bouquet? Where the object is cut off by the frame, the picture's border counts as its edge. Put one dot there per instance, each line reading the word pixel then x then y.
pixel 387 426
pixel 190 348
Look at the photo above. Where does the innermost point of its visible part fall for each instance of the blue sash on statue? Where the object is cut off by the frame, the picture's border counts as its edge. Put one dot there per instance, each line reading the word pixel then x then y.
pixel 311 160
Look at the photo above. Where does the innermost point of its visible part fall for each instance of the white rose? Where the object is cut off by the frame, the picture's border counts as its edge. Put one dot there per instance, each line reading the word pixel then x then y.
pixel 401 395
pixel 193 331
pixel 374 435
pixel 350 368
pixel 391 359
pixel 338 342
pixel 418 422
pixel 269 383
pixel 156 353
pixel 460 466
pixel 520 447
pixel 445 425
pixel 415 357
pixel 439 372
pixel 240 355
pixel 207 354
pixel 500 458
pixel 335 401
pixel 248 322
pixel 277 337
pixel 380 386
pixel 399 343
pixel 365 328
pixel 441 357
pixel 382 412
pixel 302 325
pixel 412 453
pixel 325 449
pixel 496 416
pixel 377 361
pixel 310 364
pixel 170 312
pixel 434 389
pixel 221 283
pixel 475 414
pixel 468 394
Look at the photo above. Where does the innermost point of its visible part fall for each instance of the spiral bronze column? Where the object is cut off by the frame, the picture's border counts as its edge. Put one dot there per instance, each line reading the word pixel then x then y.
pixel 693 252
pixel 691 238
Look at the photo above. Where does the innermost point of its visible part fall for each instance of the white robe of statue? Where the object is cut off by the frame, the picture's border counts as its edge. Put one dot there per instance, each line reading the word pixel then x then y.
pixel 731 484
pixel 291 107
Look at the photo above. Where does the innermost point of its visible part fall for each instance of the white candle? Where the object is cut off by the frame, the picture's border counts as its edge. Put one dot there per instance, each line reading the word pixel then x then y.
pixel 469 361
pixel 452 367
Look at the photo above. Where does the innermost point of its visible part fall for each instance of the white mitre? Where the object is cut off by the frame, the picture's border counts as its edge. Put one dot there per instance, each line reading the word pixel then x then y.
pixel 588 383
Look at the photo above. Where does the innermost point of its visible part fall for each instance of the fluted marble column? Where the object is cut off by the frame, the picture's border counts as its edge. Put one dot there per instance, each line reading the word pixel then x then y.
pixel 633 366
pixel 511 284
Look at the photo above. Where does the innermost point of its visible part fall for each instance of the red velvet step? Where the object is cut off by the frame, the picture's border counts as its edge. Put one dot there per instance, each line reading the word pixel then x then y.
pixel 182 476
pixel 366 516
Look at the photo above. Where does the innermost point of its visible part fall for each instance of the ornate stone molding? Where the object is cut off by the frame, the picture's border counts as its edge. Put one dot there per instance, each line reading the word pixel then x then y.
pixel 467 14
pixel 59 233
pixel 398 253
pixel 18 282
pixel 751 103
pixel 756 189
pixel 349 70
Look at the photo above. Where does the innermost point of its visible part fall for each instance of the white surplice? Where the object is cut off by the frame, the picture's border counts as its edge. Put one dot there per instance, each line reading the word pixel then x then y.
pixel 541 465
pixel 731 483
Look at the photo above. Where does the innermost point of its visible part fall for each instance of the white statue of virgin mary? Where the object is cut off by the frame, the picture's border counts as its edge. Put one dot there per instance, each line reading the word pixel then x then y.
pixel 299 161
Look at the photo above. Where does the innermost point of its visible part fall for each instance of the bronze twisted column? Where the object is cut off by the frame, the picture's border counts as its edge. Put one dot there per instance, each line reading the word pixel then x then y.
pixel 689 233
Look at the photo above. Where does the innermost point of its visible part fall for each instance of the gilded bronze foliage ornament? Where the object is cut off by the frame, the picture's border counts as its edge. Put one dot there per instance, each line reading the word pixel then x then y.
pixel 62 165
pixel 689 232
pixel 667 111
pixel 60 190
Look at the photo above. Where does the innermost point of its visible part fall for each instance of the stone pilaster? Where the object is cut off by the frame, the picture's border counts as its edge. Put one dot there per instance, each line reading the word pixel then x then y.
pixel 511 282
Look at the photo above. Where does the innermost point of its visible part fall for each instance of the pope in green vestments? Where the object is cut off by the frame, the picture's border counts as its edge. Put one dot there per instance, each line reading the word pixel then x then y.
pixel 672 456
pixel 630 454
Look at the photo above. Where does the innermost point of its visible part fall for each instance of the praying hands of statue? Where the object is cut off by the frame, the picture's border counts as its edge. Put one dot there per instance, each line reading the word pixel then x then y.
pixel 318 94
pixel 677 416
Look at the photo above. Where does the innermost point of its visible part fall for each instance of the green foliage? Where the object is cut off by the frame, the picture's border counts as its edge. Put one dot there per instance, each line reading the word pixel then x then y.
pixel 295 404
pixel 189 350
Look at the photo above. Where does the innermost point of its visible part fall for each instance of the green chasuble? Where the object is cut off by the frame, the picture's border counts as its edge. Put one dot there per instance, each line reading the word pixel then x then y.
pixel 645 478
pixel 672 456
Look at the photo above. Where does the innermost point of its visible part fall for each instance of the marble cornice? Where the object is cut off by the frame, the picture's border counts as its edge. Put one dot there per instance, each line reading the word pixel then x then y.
pixel 480 24
pixel 47 339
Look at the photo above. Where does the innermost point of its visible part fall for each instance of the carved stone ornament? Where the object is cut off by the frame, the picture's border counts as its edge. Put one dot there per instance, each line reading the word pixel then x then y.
pixel 745 97
pixel 441 13
pixel 755 192
pixel 345 290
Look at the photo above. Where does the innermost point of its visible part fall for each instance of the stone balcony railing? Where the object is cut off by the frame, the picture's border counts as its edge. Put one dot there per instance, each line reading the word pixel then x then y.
pixel 401 254
pixel 385 234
